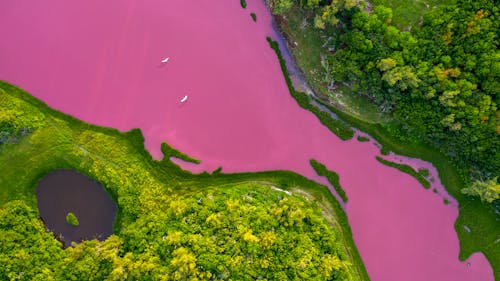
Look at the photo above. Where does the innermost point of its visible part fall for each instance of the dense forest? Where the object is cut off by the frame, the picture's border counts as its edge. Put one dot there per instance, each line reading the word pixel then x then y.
pixel 171 224
pixel 438 82
pixel 243 233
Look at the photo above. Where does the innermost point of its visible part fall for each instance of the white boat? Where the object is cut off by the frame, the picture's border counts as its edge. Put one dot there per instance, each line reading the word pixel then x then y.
pixel 184 99
pixel 165 60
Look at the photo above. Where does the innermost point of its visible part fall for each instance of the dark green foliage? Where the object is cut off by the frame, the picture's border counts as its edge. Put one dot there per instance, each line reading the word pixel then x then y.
pixel 385 151
pixel 254 17
pixel 10 133
pixel 406 169
pixel 243 4
pixel 169 151
pixel 331 176
pixel 363 139
pixel 439 83
pixel 479 217
pixel 424 172
pixel 217 171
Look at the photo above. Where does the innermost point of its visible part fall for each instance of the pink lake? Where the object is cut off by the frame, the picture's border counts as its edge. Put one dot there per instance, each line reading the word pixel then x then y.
pixel 100 61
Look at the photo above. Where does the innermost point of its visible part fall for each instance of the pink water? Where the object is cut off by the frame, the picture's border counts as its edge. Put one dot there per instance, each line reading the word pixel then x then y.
pixel 100 61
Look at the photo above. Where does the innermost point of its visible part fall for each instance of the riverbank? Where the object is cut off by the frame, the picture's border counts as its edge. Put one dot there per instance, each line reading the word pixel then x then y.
pixel 306 51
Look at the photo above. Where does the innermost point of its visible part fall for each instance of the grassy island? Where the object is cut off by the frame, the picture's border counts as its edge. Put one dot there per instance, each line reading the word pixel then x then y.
pixel 273 225
pixel 72 219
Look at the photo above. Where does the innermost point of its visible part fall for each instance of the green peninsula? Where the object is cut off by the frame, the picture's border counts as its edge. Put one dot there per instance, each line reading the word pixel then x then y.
pixel 171 224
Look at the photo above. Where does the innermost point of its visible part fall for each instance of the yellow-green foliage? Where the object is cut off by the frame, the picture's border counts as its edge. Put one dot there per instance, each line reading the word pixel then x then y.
pixel 171 225
pixel 72 219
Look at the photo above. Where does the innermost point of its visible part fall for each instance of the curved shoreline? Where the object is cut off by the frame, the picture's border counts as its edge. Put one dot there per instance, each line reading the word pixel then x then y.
pixel 110 167
pixel 448 174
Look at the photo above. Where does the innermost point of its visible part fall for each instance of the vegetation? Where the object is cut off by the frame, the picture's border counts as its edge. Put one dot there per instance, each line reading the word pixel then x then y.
pixel 254 17
pixel 435 90
pixel 406 169
pixel 331 176
pixel 336 126
pixel 409 13
pixel 171 224
pixel 363 139
pixel 488 191
pixel 424 172
pixel 166 149
pixel 479 217
pixel 243 4
pixel 438 84
pixel 72 219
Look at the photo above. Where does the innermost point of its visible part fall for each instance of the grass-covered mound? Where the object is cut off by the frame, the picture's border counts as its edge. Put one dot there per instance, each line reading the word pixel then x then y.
pixel 171 224
pixel 72 219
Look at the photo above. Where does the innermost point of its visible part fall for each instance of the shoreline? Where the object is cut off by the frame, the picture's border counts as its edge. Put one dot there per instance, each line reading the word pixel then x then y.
pixel 448 174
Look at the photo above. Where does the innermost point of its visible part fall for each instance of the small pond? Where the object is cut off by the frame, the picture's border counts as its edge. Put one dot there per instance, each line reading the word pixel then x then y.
pixel 64 191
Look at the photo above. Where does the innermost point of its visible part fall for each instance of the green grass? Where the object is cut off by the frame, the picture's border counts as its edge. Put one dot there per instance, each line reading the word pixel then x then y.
pixel 424 172
pixel 406 169
pixel 331 176
pixel 363 139
pixel 118 160
pixel 385 151
pixel 408 13
pixel 71 219
pixel 480 218
pixel 168 151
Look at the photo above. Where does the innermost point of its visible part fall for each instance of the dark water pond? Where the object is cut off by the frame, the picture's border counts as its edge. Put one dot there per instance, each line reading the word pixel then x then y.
pixel 64 191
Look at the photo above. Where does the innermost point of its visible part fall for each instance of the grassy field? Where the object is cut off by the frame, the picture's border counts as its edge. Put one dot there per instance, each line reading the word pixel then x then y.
pixel 480 218
pixel 120 162
pixel 408 13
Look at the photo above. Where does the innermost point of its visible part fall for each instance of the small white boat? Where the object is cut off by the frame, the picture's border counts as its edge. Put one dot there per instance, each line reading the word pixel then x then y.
pixel 184 99
pixel 165 60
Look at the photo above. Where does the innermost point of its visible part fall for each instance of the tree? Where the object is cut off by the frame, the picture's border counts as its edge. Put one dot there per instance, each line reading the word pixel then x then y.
pixel 279 7
pixel 488 191
pixel 386 64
